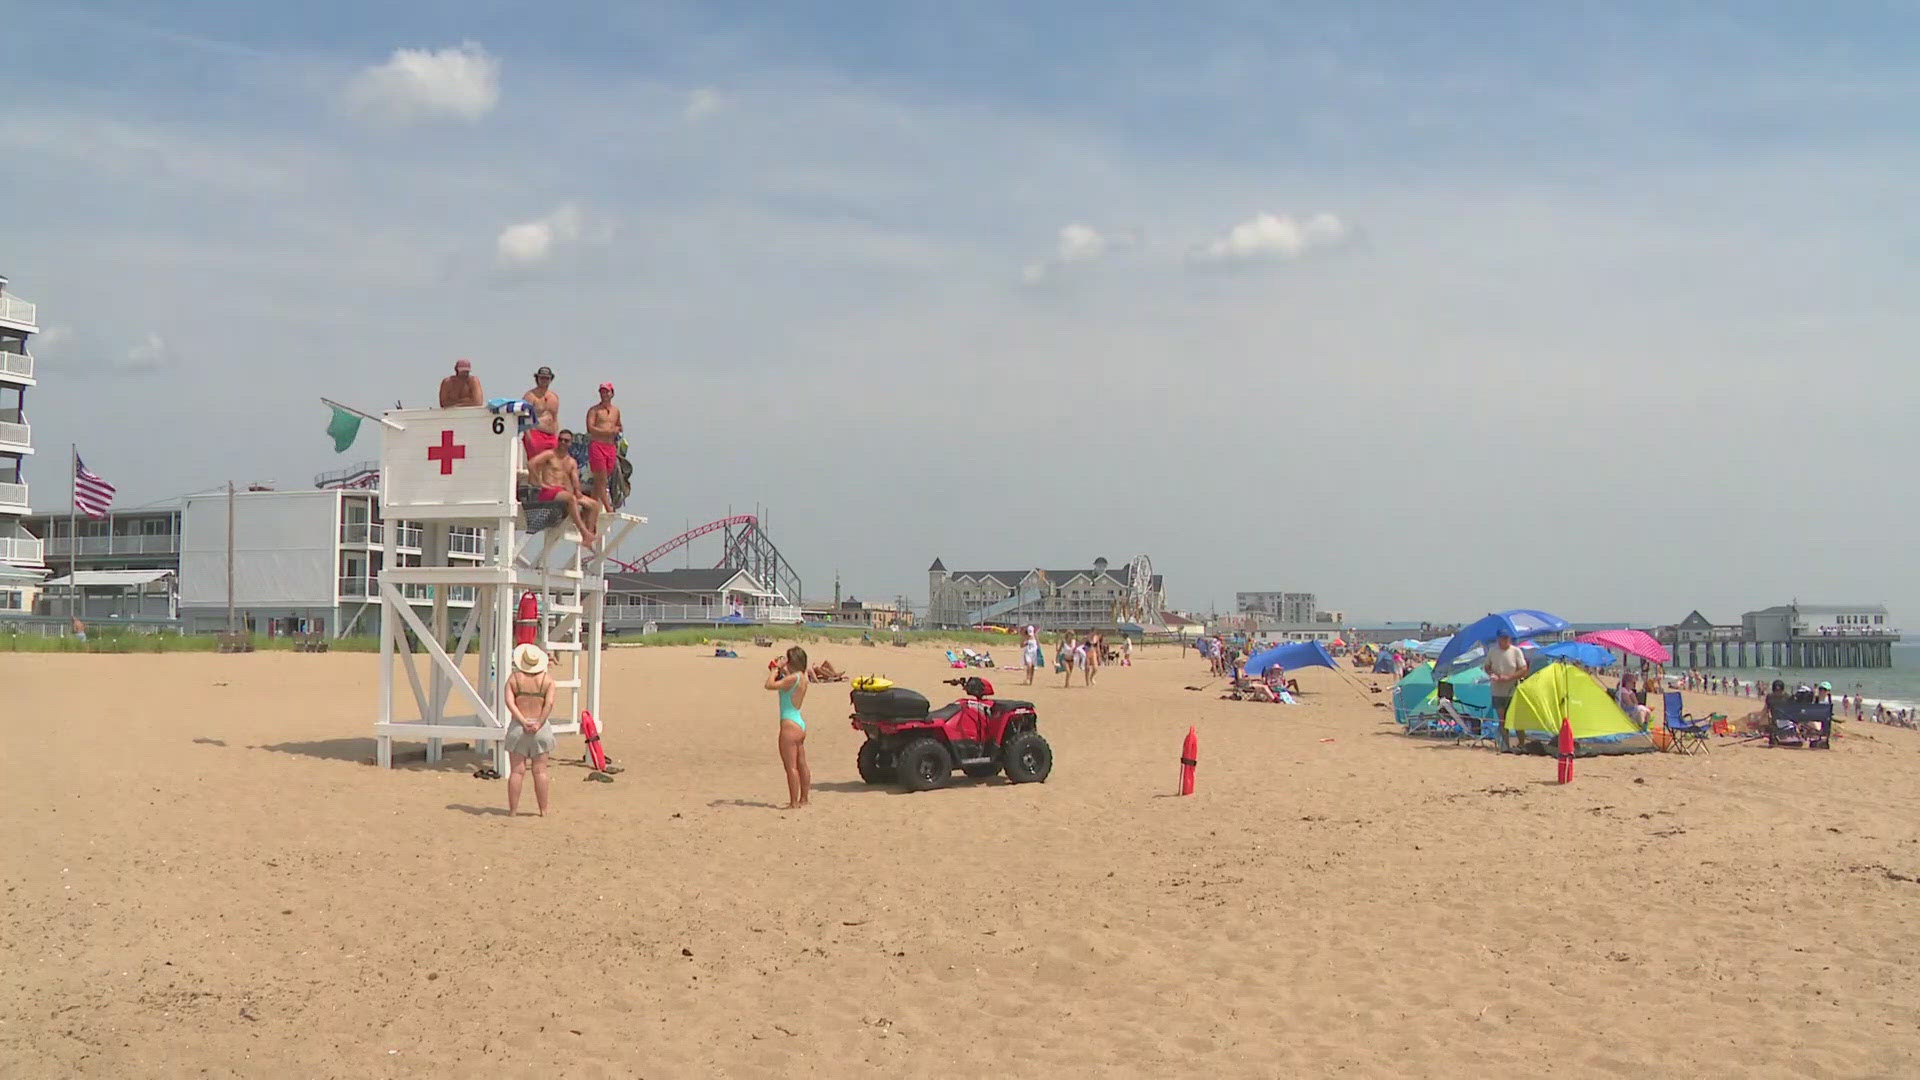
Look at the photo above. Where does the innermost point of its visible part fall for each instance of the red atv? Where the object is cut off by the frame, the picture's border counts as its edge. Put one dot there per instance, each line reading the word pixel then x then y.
pixel 918 748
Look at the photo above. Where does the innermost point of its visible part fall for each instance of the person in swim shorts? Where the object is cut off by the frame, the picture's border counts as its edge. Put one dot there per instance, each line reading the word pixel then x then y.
pixel 552 477
pixel 530 693
pixel 788 676
pixel 546 413
pixel 603 437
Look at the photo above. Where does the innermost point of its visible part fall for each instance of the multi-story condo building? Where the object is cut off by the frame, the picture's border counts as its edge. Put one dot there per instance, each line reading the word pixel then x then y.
pixel 22 557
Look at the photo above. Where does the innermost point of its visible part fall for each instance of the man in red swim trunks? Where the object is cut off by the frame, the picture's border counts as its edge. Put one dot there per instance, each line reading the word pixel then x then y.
pixel 546 413
pixel 552 477
pixel 603 436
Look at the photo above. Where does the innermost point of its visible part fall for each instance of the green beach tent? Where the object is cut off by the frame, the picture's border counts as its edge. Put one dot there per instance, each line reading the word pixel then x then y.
pixel 1563 690
pixel 1415 693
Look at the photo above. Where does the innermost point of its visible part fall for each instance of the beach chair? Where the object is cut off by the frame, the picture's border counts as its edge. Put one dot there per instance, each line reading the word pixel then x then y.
pixel 954 661
pixel 1687 734
pixel 1470 728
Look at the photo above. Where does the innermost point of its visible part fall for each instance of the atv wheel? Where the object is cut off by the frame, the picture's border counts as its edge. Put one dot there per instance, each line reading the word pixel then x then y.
pixel 1029 759
pixel 924 765
pixel 982 772
pixel 869 763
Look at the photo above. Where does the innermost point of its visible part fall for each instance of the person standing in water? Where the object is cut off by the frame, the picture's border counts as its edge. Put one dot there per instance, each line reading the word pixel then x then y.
pixel 789 678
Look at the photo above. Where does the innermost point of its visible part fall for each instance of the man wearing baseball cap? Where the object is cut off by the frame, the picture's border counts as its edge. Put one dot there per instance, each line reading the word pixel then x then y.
pixel 603 438
pixel 461 390
pixel 546 413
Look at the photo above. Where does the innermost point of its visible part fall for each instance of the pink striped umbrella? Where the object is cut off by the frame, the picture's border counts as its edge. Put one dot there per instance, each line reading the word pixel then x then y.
pixel 1632 642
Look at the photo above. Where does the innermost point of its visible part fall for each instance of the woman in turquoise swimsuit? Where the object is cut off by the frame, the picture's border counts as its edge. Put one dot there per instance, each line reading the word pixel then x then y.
pixel 789 677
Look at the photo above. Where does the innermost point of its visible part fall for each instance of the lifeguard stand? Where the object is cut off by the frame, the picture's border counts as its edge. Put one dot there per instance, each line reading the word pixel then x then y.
pixel 462 467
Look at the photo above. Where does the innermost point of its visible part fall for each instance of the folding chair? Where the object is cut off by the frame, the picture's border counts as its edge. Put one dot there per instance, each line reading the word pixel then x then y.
pixel 1469 728
pixel 1689 735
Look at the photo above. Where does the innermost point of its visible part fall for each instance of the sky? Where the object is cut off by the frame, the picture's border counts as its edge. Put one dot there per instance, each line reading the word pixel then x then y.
pixel 1429 310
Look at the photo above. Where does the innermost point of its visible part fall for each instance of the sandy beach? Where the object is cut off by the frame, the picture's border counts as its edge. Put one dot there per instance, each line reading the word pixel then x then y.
pixel 205 877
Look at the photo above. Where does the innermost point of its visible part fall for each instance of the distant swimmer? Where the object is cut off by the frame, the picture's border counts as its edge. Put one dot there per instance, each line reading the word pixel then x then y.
pixel 546 413
pixel 604 427
pixel 461 390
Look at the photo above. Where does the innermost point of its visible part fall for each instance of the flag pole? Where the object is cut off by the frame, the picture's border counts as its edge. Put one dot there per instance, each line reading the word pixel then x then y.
pixel 230 630
pixel 73 536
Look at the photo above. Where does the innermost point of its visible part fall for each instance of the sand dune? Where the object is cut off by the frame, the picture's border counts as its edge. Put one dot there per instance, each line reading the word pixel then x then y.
pixel 204 878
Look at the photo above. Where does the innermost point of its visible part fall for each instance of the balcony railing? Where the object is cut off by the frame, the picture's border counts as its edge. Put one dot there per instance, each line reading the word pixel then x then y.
pixel 114 545
pixel 13 494
pixel 360 532
pixel 634 615
pixel 20 364
pixel 410 536
pixel 16 433
pixel 466 543
pixel 14 309
pixel 22 550
pixel 368 588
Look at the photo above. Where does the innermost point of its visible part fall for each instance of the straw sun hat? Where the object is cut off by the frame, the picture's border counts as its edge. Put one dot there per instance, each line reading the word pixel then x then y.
pixel 529 658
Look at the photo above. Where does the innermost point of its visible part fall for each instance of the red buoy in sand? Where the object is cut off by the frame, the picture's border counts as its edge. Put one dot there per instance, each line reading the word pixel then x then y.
pixel 1189 757
pixel 590 734
pixel 526 620
pixel 1566 751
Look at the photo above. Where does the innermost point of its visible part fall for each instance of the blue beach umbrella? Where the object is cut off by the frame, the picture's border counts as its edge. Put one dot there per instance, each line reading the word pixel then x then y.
pixel 1297 654
pixel 1580 653
pixel 1519 623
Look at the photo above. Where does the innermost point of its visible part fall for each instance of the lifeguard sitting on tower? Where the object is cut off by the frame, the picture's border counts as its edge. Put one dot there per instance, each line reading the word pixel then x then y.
pixel 554 479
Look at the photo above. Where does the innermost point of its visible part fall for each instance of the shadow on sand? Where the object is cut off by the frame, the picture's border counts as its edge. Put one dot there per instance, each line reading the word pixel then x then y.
pixel 479 811
pixel 456 756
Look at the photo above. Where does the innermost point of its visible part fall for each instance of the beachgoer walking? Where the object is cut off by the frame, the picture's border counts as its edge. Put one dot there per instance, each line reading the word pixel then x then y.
pixel 1030 654
pixel 529 738
pixel 1126 651
pixel 604 428
pixel 1506 665
pixel 788 676
pixel 546 413
pixel 1093 647
pixel 461 390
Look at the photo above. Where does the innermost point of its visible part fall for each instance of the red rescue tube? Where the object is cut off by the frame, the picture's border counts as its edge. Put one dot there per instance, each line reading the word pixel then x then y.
pixel 1566 751
pixel 1189 759
pixel 590 732
pixel 526 621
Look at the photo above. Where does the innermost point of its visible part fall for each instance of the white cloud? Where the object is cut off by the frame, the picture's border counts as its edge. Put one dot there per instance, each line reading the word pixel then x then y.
pixel 49 336
pixel 531 242
pixel 1274 236
pixel 704 102
pixel 149 354
pixel 1077 243
pixel 415 84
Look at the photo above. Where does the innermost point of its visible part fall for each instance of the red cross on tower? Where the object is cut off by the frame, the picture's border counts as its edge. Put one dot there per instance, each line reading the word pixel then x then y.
pixel 446 453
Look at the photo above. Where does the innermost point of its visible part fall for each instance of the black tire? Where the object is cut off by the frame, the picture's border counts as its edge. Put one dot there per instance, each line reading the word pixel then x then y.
pixel 869 765
pixel 1028 758
pixel 923 765
pixel 982 772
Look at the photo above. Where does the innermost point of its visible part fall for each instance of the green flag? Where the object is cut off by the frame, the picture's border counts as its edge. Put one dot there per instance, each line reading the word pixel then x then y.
pixel 344 428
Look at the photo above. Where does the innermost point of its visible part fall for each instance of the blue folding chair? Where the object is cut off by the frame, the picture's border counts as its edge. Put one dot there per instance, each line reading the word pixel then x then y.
pixel 1688 735
pixel 1470 728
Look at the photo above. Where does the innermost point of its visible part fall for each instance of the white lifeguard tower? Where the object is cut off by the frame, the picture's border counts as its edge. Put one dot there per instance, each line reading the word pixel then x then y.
pixel 448 467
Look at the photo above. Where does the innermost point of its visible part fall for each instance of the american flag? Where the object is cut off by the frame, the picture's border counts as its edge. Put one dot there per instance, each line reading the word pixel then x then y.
pixel 92 495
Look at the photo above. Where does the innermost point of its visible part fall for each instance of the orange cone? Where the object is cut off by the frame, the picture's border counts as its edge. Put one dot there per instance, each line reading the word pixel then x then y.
pixel 1189 758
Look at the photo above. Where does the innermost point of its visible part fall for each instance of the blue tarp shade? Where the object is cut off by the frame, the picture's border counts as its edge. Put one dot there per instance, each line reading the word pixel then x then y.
pixel 735 619
pixel 1386 663
pixel 1520 623
pixel 1580 652
pixel 1298 654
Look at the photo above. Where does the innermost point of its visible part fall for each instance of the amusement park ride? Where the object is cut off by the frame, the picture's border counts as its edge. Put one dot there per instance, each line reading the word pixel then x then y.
pixel 744 545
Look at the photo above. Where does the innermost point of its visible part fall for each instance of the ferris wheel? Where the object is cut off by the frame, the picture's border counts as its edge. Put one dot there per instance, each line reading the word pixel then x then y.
pixel 1139 605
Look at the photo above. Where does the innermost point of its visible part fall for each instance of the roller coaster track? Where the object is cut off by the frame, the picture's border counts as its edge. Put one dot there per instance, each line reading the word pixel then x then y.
pixel 749 548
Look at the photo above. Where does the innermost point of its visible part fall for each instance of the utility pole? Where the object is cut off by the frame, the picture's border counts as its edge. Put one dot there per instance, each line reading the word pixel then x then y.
pixel 230 630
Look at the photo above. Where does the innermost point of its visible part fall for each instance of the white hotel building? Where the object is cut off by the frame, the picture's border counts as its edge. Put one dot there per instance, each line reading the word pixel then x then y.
pixel 313 554
pixel 22 557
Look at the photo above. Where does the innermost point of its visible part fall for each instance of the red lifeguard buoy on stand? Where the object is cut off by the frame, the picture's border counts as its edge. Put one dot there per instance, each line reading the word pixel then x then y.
pixel 526 622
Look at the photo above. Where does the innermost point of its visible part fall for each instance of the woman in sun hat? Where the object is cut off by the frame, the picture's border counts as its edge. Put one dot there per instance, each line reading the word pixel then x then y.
pixel 529 736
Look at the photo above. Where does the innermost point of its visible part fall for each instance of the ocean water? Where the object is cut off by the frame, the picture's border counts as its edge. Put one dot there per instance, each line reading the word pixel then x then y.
pixel 1897 686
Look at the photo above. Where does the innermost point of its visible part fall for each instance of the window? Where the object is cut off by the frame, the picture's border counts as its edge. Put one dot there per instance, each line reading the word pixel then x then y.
pixel 156 527
pixel 10 600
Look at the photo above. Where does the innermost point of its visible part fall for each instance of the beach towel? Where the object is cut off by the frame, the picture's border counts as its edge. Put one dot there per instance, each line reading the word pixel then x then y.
pixel 521 411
